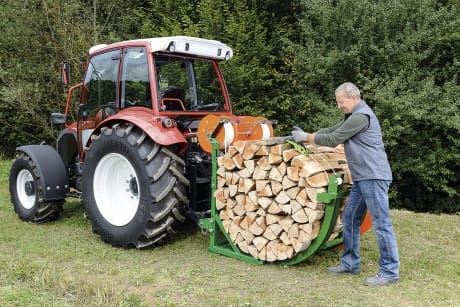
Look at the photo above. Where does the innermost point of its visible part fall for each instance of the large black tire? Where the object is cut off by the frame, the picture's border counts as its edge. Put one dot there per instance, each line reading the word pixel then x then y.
pixel 134 190
pixel 26 193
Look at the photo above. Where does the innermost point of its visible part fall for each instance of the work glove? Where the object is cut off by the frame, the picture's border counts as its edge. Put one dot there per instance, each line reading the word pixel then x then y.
pixel 299 135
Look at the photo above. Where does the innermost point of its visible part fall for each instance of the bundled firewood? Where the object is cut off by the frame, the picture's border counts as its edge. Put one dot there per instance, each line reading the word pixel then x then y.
pixel 266 195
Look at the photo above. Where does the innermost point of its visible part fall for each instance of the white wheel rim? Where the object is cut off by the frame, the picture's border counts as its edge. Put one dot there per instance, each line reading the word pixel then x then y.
pixel 25 187
pixel 116 189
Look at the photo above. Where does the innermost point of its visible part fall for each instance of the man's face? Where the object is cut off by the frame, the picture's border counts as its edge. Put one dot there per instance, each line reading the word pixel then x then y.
pixel 346 103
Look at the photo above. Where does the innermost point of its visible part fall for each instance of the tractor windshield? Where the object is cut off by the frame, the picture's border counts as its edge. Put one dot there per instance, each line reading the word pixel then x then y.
pixel 185 84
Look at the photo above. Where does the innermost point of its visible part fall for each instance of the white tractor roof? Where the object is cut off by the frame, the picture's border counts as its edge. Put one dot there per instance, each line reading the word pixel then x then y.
pixel 179 44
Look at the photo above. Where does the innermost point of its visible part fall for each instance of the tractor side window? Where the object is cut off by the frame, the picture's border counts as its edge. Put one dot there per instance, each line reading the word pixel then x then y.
pixel 100 84
pixel 209 92
pixel 135 85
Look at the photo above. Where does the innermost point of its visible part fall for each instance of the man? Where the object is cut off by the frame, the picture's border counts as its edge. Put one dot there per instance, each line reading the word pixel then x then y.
pixel 360 132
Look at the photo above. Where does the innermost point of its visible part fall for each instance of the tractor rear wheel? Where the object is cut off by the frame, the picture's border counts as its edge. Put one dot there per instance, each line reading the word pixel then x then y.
pixel 133 189
pixel 26 193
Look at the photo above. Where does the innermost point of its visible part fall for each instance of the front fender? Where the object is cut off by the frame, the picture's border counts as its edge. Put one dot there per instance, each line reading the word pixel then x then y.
pixel 52 173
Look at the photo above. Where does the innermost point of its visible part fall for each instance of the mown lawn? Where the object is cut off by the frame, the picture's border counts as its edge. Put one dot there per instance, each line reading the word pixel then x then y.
pixel 64 264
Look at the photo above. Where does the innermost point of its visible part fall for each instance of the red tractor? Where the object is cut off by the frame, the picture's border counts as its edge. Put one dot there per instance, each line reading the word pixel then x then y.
pixel 137 147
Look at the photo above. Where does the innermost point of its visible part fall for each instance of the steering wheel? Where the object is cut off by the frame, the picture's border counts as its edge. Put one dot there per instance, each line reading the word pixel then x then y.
pixel 208 107
pixel 131 103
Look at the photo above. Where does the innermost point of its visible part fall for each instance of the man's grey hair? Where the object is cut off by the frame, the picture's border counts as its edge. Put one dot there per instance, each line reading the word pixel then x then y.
pixel 348 89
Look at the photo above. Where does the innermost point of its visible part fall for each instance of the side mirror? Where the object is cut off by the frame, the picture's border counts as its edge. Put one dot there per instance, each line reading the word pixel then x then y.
pixel 84 64
pixel 83 111
pixel 58 119
pixel 65 73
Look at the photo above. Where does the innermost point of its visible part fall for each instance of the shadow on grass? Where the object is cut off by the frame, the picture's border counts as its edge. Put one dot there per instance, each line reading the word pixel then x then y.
pixel 73 208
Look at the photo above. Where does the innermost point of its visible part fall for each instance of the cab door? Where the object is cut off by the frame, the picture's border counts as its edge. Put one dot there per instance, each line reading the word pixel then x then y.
pixel 100 93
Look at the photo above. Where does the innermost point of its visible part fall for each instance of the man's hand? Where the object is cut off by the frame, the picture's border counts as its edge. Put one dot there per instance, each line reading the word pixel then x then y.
pixel 299 135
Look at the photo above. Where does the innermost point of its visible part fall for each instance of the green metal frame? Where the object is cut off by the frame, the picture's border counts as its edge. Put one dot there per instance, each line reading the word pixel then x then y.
pixel 221 243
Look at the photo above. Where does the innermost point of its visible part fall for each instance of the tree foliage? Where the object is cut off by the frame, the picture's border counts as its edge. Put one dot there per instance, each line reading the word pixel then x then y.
pixel 406 61
pixel 288 58
pixel 36 37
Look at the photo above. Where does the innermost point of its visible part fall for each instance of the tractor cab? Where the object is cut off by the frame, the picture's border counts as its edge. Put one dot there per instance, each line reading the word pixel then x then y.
pixel 162 78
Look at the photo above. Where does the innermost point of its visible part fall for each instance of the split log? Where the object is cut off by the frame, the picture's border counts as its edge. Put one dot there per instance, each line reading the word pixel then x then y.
pixel 228 178
pixel 233 188
pixel 252 250
pixel 263 150
pixel 275 175
pixel 272 250
pixel 286 224
pixel 282 198
pixel 299 246
pixel 289 154
pixel 243 246
pixel 279 149
pixel 287 183
pixel 221 171
pixel 238 146
pixel 245 173
pixel 259 242
pixel 282 168
pixel 238 160
pixel 232 150
pixel 249 185
pixel 249 166
pixel 293 173
pixel 264 164
pixel 272 218
pixel 274 158
pixel 276 187
pixel 300 216
pixel 318 180
pixel 256 230
pixel 220 182
pixel 264 202
pixel 260 174
pixel 274 208
pixel 250 150
pixel 253 196
pixel 285 238
pixel 235 178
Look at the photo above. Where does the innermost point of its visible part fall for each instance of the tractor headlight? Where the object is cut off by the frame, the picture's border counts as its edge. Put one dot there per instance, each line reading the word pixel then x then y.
pixel 168 122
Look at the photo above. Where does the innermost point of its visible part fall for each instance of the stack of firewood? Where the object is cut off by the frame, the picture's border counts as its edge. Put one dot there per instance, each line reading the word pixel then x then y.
pixel 266 195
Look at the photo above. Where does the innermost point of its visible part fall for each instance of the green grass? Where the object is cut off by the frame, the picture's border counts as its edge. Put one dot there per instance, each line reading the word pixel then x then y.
pixel 64 264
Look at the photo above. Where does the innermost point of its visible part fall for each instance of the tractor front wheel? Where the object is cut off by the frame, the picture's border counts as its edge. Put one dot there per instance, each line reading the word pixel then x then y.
pixel 133 189
pixel 26 193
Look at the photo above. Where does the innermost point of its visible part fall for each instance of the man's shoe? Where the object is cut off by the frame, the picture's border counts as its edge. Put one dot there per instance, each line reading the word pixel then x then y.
pixel 379 281
pixel 339 269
